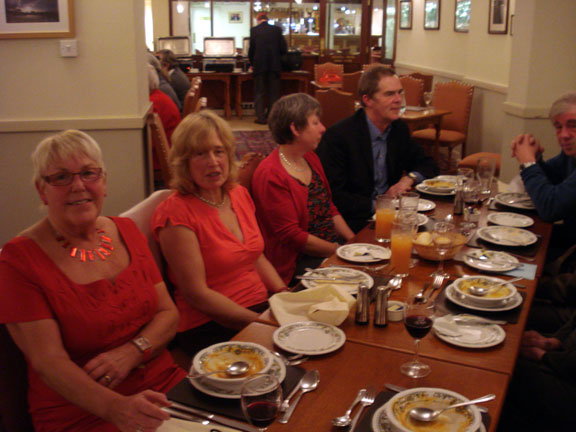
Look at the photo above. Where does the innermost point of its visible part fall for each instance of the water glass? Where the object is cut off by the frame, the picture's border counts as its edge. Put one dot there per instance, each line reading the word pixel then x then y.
pixel 260 397
pixel 443 239
pixel 384 217
pixel 484 174
pixel 409 201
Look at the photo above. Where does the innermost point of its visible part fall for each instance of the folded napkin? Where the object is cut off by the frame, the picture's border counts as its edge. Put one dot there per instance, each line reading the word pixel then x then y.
pixel 328 304
pixel 177 425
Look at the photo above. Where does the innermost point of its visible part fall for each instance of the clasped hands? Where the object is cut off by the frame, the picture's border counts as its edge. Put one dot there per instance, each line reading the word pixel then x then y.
pixel 534 345
pixel 525 148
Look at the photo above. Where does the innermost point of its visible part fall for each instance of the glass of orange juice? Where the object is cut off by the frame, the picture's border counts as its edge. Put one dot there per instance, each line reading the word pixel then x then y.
pixel 401 245
pixel 384 218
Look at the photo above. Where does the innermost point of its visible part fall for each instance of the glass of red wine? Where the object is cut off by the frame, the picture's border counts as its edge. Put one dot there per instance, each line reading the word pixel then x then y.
pixel 418 320
pixel 261 396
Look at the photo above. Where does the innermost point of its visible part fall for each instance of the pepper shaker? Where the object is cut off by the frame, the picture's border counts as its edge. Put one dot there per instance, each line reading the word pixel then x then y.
pixel 363 305
pixel 381 310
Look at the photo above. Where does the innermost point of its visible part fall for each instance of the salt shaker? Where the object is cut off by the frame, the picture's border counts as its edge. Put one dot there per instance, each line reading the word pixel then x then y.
pixel 363 305
pixel 381 310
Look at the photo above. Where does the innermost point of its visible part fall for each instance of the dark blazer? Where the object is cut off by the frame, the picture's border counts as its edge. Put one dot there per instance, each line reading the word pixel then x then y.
pixel 346 155
pixel 267 46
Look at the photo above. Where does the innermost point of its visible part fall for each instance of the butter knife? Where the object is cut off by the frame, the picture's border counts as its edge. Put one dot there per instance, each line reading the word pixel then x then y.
pixel 191 418
pixel 215 417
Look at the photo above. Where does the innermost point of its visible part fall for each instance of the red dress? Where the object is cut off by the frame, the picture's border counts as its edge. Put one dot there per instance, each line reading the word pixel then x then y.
pixel 92 318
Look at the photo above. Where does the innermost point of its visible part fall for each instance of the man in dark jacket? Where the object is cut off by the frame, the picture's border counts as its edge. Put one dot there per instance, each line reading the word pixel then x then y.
pixel 371 152
pixel 267 46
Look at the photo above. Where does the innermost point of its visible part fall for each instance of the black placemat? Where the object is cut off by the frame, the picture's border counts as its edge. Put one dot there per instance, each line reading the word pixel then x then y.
pixel 444 306
pixel 527 251
pixel 365 425
pixel 186 394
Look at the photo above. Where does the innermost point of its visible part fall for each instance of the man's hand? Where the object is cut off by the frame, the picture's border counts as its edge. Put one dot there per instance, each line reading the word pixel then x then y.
pixel 404 185
pixel 525 148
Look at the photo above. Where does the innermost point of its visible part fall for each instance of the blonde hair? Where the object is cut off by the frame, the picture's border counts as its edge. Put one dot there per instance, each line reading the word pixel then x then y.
pixel 192 136
pixel 61 146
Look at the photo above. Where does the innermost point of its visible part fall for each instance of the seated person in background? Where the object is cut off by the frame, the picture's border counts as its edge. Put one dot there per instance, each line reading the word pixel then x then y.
pixel 371 152
pixel 178 79
pixel 299 222
pixel 162 104
pixel 542 393
pixel 210 238
pixel 164 85
pixel 552 184
pixel 83 299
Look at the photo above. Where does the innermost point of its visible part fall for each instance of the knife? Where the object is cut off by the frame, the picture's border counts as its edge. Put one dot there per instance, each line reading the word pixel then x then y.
pixel 215 417
pixel 183 416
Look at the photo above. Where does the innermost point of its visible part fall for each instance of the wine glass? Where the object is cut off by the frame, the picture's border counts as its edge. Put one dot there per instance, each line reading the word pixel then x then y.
pixel 443 240
pixel 418 320
pixel 427 99
pixel 261 396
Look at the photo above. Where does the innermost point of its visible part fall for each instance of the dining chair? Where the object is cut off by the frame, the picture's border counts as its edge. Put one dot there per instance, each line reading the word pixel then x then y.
pixel 159 145
pixel 367 66
pixel 248 165
pixel 192 99
pixel 350 82
pixel 471 161
pixel 455 97
pixel 336 105
pixel 413 91
pixel 428 79
pixel 328 75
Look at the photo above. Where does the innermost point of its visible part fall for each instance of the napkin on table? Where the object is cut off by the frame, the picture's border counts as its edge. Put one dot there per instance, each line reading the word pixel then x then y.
pixel 327 303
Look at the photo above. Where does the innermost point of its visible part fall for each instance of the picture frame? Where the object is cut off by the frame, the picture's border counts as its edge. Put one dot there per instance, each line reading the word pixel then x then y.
pixel 462 16
pixel 431 14
pixel 498 16
pixel 29 19
pixel 235 17
pixel 405 15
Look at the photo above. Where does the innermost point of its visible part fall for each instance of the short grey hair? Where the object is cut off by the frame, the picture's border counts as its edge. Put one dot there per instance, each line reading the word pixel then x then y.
pixel 62 146
pixel 153 80
pixel 294 108
pixel 564 103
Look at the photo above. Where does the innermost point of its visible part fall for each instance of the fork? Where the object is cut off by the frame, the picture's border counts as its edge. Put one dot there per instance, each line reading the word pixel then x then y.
pixel 436 285
pixel 367 400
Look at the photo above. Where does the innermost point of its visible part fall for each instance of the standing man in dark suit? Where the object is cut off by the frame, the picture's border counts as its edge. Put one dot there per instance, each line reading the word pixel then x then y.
pixel 371 152
pixel 267 45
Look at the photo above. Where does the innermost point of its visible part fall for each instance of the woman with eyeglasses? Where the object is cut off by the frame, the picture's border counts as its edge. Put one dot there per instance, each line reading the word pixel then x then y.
pixel 84 301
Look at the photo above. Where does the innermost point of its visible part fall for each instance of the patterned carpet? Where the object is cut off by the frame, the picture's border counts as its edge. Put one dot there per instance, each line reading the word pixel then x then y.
pixel 262 142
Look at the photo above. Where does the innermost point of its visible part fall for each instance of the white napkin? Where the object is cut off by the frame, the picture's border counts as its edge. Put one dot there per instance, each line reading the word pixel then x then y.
pixel 328 304
pixel 177 425
pixel 373 252
pixel 516 185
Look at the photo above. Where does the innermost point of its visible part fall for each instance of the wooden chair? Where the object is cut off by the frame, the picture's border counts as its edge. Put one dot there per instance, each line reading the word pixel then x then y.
pixel 367 66
pixel 424 77
pixel 336 105
pixel 457 98
pixel 470 161
pixel 328 75
pixel 248 165
pixel 350 82
pixel 413 91
pixel 192 99
pixel 159 145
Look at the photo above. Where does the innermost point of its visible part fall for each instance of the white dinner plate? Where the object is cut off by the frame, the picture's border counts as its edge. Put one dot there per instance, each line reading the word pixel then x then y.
pixel 497 261
pixel 425 189
pixel 423 204
pixel 380 421
pixel 422 219
pixel 456 298
pixel 339 272
pixel 507 236
pixel 511 199
pixel 278 369
pixel 309 338
pixel 471 335
pixel 363 252
pixel 511 220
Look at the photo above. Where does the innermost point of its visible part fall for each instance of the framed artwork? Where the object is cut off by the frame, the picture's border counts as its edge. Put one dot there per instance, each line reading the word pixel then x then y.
pixel 405 22
pixel 498 17
pixel 235 17
pixel 462 16
pixel 23 19
pixel 431 14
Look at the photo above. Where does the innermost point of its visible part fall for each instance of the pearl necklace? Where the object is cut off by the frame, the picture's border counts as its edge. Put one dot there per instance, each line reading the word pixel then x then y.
pixel 283 157
pixel 212 203
pixel 103 250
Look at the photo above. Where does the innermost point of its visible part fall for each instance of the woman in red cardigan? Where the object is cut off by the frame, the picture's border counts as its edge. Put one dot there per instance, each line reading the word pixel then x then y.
pixel 294 206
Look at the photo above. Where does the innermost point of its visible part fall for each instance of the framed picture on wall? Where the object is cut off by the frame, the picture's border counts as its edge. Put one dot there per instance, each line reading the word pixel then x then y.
pixel 24 19
pixel 462 16
pixel 235 17
pixel 405 22
pixel 431 14
pixel 498 17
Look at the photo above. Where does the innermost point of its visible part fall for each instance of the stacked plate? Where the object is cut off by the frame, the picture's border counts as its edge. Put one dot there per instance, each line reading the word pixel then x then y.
pixel 345 278
pixel 468 331
pixel 363 252
pixel 520 201
pixel 309 338
pixel 499 297
pixel 507 236
pixel 441 186
pixel 491 261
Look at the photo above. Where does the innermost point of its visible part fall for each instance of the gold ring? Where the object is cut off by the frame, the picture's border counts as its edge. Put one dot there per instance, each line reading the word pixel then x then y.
pixel 107 379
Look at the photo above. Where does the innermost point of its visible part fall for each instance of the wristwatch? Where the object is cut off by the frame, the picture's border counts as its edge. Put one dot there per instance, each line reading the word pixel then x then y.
pixel 413 176
pixel 526 165
pixel 144 345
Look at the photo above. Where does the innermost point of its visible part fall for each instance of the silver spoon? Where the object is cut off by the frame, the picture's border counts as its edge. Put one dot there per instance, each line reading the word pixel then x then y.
pixel 426 414
pixel 233 369
pixel 345 420
pixel 309 383
pixel 482 291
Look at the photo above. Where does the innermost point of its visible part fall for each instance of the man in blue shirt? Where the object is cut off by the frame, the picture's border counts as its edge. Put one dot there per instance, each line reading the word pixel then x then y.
pixel 371 152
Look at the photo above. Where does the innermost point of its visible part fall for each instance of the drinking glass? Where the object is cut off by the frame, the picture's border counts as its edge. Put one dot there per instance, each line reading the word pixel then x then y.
pixel 464 175
pixel 418 320
pixel 409 201
pixel 472 203
pixel 484 174
pixel 443 240
pixel 260 397
pixel 401 245
pixel 384 218
pixel 427 99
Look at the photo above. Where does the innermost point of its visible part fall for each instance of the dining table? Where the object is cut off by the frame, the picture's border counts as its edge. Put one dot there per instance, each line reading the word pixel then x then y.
pixel 371 355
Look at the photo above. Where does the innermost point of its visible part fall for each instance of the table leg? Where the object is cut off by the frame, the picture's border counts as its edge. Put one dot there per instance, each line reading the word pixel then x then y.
pixel 239 97
pixel 227 110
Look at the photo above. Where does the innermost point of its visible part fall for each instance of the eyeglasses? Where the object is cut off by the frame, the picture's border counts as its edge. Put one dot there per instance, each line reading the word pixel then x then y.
pixel 65 178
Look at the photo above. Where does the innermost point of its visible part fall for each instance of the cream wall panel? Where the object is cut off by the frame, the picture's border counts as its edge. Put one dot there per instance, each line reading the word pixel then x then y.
pixel 161 16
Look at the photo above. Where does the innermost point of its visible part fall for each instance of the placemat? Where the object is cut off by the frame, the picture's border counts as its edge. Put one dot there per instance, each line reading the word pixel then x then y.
pixel 365 424
pixel 527 251
pixel 444 306
pixel 186 394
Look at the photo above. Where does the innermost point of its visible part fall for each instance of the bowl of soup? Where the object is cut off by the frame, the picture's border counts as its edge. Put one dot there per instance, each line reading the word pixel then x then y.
pixel 463 419
pixel 497 295
pixel 219 356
